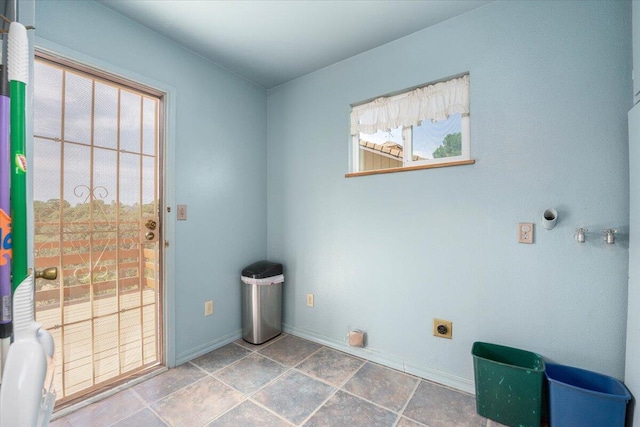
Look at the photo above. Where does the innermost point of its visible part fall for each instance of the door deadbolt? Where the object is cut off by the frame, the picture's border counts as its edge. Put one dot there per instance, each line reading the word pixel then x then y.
pixel 149 235
pixel 151 224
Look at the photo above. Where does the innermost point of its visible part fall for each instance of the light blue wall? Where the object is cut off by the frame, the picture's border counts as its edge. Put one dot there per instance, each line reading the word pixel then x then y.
pixel 550 85
pixel 632 368
pixel 216 149
pixel 550 89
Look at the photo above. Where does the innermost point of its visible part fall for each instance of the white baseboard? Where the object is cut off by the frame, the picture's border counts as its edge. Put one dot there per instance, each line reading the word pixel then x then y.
pixel 206 348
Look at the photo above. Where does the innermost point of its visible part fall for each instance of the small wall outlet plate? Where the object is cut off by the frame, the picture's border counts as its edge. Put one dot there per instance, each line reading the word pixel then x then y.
pixel 442 328
pixel 309 300
pixel 356 338
pixel 182 213
pixel 208 308
pixel 525 232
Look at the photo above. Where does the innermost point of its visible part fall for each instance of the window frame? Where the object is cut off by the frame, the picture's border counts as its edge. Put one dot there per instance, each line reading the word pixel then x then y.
pixel 407 140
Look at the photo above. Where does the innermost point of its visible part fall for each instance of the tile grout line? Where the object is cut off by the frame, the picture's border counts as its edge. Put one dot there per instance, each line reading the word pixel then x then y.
pixel 177 390
pixel 224 383
pixel 229 364
pixel 309 356
pixel 287 369
pixel 296 369
pixel 370 401
pixel 245 398
pixel 148 406
pixel 404 407
pixel 324 402
pixel 290 369
pixel 399 413
pixel 142 408
pixel 153 411
pixel 350 377
pixel 249 397
pixel 274 360
pixel 260 405
pixel 337 389
pixel 296 363
pixel 322 380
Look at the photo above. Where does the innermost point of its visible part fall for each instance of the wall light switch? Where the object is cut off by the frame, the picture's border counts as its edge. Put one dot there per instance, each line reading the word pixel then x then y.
pixel 182 212
pixel 525 232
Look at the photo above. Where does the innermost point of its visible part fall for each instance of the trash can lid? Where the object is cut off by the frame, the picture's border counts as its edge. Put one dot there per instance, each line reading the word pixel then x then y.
pixel 262 269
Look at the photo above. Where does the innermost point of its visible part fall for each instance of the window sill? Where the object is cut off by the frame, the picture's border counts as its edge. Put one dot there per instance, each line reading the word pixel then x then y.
pixel 409 168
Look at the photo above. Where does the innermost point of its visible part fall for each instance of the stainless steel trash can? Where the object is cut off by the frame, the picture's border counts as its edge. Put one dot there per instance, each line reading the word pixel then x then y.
pixel 262 301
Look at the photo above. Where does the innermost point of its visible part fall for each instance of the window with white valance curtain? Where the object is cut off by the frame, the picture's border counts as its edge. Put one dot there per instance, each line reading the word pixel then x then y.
pixel 418 128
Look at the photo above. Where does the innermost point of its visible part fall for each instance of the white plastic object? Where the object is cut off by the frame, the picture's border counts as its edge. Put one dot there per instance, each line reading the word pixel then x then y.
pixel 18 53
pixel 24 401
pixel 266 281
pixel 549 218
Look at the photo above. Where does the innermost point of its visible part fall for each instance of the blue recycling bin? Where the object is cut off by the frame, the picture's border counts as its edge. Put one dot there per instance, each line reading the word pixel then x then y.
pixel 578 397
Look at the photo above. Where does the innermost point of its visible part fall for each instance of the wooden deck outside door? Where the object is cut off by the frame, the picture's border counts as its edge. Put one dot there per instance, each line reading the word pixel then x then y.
pixel 97 216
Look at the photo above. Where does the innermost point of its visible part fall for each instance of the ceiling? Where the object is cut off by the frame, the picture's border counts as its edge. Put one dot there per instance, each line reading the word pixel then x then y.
pixel 271 42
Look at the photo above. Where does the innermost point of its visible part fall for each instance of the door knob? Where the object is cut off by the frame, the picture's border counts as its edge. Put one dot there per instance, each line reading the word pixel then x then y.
pixel 150 233
pixel 49 273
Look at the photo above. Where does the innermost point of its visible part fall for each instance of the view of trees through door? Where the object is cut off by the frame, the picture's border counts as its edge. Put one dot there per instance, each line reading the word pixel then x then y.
pixel 97 167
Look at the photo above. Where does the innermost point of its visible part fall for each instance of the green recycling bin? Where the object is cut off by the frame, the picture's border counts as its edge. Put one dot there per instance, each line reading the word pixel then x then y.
pixel 509 384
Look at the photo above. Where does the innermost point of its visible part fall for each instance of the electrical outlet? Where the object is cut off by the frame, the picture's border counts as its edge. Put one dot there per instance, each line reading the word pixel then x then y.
pixel 208 308
pixel 309 300
pixel 442 328
pixel 525 232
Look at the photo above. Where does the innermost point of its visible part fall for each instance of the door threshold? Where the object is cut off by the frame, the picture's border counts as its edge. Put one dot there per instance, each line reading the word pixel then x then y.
pixel 81 402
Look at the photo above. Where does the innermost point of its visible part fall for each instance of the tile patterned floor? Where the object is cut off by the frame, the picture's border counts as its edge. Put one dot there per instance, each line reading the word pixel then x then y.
pixel 285 382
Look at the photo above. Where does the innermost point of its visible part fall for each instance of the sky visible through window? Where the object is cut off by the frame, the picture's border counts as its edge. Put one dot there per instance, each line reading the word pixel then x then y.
pixel 427 137
pixel 134 138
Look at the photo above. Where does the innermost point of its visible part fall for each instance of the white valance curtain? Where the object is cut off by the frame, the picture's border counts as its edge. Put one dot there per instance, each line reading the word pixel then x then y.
pixel 433 102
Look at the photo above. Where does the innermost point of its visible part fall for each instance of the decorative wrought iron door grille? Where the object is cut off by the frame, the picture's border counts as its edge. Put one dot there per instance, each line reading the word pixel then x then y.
pixel 96 184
